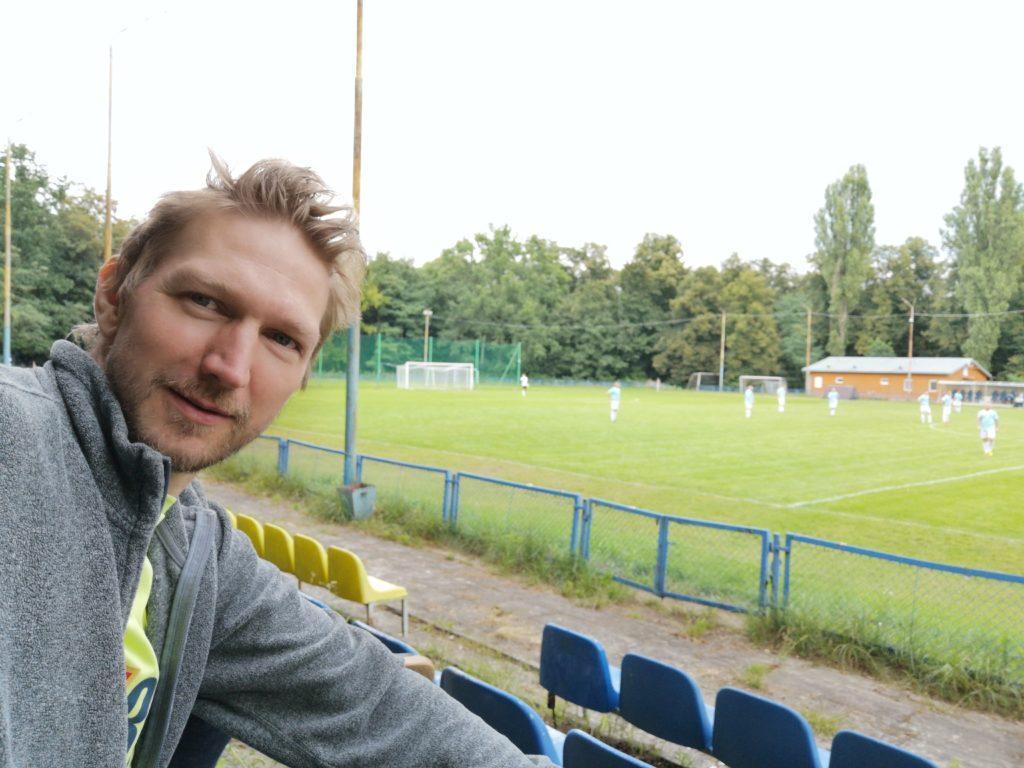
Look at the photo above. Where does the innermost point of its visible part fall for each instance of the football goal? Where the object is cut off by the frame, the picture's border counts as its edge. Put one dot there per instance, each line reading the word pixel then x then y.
pixel 703 380
pixel 768 385
pixel 419 375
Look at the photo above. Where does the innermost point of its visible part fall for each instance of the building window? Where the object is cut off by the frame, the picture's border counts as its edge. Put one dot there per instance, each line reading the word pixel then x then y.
pixel 884 382
pixel 967 372
pixel 933 385
pixel 839 379
pixel 818 383
pixel 908 385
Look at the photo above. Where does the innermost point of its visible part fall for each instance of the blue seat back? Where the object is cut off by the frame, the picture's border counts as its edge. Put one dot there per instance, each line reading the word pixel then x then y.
pixel 854 750
pixel 664 701
pixel 393 643
pixel 576 668
pixel 502 711
pixel 584 751
pixel 751 731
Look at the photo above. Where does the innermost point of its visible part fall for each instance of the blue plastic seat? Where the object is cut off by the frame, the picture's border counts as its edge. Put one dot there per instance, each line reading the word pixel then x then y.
pixel 751 731
pixel 393 643
pixel 665 702
pixel 504 713
pixel 576 668
pixel 584 751
pixel 854 750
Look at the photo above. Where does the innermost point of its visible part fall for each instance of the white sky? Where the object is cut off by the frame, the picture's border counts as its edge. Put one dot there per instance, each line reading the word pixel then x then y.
pixel 720 123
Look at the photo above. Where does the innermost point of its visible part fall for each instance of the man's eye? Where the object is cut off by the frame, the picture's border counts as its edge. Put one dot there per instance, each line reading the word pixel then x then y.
pixel 283 339
pixel 201 300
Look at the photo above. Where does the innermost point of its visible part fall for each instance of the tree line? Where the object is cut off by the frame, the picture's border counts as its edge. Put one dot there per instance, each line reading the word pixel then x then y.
pixel 578 317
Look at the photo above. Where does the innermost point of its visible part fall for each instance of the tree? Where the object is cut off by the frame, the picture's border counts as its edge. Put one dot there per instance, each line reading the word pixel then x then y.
pixel 650 282
pixel 845 239
pixel 985 236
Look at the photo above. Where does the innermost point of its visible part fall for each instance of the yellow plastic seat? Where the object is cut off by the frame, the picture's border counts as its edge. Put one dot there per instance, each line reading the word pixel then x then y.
pixel 311 561
pixel 278 547
pixel 349 581
pixel 252 528
pixel 234 519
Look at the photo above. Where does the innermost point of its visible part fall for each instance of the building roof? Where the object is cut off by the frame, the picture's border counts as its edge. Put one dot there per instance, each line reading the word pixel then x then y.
pixel 924 366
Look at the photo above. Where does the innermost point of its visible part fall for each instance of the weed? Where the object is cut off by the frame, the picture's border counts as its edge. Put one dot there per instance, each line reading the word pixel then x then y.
pixel 823 725
pixel 754 674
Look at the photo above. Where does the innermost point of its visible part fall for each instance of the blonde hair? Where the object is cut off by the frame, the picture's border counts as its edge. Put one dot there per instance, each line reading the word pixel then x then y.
pixel 270 189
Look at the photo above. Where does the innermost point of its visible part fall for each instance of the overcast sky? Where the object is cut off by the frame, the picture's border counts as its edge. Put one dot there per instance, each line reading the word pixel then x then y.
pixel 721 123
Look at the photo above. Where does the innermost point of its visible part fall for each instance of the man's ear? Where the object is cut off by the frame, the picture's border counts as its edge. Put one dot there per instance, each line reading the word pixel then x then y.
pixel 105 303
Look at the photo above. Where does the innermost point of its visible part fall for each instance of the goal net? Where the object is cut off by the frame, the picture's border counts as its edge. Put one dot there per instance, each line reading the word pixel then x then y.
pixel 768 385
pixel 418 375
pixel 703 380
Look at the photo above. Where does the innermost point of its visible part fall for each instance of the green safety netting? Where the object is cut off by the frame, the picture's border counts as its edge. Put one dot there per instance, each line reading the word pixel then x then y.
pixel 379 355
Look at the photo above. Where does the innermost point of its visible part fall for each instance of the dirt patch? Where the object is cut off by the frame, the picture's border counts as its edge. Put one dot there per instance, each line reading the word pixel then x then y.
pixel 455 598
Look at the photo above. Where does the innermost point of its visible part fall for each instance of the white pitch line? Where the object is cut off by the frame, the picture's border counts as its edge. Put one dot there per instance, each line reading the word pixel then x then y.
pixel 919 484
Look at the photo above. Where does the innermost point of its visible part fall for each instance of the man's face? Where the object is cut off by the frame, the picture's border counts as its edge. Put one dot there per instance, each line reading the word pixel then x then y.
pixel 214 341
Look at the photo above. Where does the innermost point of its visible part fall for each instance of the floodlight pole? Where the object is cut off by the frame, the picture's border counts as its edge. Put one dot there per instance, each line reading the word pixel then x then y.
pixel 721 357
pixel 352 378
pixel 107 231
pixel 427 314
pixel 7 258
pixel 910 351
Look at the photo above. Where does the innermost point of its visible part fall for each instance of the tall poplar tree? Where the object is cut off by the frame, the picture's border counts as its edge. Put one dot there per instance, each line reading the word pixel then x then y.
pixel 985 237
pixel 845 238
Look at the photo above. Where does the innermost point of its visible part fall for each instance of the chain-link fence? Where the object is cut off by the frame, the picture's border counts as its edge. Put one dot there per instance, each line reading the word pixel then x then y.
pixel 419 490
pixel 379 355
pixel 927 612
pixel 517 514
pixel 320 469
pixel 622 541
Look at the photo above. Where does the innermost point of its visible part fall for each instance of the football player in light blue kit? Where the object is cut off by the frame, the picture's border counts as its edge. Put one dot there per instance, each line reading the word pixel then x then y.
pixel 926 408
pixel 748 400
pixel 615 393
pixel 947 407
pixel 988 424
pixel 833 401
pixel 958 400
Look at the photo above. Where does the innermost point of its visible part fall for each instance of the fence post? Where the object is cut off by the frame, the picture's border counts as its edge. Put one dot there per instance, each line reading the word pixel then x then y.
pixel 578 507
pixel 585 528
pixel 359 468
pixel 446 500
pixel 776 547
pixel 789 554
pixel 453 512
pixel 282 456
pixel 661 566
pixel 762 593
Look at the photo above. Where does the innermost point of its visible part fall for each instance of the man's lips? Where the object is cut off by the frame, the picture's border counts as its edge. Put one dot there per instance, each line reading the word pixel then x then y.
pixel 199 411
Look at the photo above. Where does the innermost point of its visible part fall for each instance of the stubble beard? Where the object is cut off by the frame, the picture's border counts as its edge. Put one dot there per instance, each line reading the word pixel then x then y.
pixel 134 393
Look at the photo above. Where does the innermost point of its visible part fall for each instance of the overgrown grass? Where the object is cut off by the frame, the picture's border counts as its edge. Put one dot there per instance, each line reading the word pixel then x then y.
pixel 399 520
pixel 968 684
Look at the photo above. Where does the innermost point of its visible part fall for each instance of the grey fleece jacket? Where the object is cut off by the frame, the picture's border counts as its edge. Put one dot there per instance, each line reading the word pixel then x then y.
pixel 79 505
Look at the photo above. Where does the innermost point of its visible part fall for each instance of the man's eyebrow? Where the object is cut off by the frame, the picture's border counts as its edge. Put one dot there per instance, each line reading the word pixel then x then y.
pixel 188 278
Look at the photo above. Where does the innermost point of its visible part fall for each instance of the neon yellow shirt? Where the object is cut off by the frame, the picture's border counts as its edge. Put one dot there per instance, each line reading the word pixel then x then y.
pixel 141 668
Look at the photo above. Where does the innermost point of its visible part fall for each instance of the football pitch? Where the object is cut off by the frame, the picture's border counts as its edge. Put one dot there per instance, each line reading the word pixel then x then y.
pixel 871 476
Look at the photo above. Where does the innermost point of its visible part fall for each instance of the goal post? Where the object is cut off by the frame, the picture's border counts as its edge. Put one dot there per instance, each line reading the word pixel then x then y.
pixel 768 385
pixel 703 380
pixel 420 375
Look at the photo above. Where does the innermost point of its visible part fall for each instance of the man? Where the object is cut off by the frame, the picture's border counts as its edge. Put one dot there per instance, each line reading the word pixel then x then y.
pixel 988 425
pixel 958 401
pixel 127 599
pixel 780 394
pixel 947 407
pixel 833 401
pixel 925 408
pixel 524 383
pixel 615 394
pixel 748 400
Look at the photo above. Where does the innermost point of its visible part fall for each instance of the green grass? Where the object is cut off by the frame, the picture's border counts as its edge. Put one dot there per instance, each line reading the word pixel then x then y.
pixel 694 455
pixel 872 476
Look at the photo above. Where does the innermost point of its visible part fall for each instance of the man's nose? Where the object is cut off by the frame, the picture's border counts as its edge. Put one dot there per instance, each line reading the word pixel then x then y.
pixel 229 356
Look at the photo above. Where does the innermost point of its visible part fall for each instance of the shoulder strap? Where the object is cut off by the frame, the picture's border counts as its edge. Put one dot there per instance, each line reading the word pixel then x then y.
pixel 182 606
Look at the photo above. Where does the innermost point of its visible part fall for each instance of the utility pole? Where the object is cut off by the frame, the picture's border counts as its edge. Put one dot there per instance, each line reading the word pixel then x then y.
pixel 352 378
pixel 426 333
pixel 807 354
pixel 721 357
pixel 7 258
pixel 108 238
pixel 909 387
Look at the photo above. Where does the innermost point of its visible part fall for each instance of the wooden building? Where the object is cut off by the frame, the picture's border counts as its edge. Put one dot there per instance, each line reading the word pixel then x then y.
pixel 890 378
